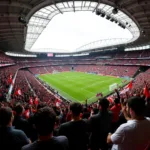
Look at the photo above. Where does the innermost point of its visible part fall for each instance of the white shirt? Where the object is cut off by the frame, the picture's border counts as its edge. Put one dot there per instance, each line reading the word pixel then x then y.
pixel 133 135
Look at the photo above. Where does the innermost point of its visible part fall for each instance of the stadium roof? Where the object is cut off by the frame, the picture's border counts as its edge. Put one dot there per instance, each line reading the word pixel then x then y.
pixel 13 32
pixel 80 25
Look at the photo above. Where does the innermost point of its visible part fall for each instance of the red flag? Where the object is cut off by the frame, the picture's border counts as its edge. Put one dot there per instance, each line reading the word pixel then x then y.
pixel 10 78
pixel 57 103
pixel 127 88
pixel 31 101
pixel 146 92
pixel 110 99
pixel 36 101
pixel 18 92
pixel 27 114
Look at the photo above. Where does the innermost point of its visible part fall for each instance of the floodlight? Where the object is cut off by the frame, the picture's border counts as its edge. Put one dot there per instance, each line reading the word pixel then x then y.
pixel 115 11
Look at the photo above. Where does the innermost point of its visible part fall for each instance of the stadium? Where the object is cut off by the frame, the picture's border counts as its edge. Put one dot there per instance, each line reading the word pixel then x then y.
pixel 75 57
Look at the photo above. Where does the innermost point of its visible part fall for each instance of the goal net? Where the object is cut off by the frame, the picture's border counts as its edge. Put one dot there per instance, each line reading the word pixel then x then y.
pixel 55 71
pixel 113 86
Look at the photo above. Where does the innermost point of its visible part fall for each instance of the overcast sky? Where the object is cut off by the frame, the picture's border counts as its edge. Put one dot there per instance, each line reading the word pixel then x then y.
pixel 69 31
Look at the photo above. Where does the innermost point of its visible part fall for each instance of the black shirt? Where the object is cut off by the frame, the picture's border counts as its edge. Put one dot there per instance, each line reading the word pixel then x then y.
pixel 12 139
pixel 56 143
pixel 21 124
pixel 85 115
pixel 76 132
pixel 99 126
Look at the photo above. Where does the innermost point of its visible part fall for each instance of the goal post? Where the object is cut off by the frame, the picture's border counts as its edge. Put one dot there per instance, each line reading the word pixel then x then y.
pixel 113 86
pixel 55 72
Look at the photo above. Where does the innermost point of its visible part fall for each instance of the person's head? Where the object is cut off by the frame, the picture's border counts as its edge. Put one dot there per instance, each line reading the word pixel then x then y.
pixel 76 109
pixel 103 104
pixel 136 107
pixel 117 101
pixel 41 105
pixel 44 120
pixel 6 117
pixel 95 111
pixel 19 109
pixel 85 109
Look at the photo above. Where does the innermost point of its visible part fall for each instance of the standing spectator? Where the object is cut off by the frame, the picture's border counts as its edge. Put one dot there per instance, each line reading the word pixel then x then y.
pixel 135 134
pixel 75 130
pixel 115 112
pixel 100 125
pixel 44 120
pixel 122 119
pixel 10 138
pixel 19 122
pixel 86 113
pixel 33 132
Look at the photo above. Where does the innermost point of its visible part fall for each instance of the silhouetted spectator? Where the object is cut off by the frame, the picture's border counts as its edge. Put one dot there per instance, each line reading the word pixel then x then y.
pixel 86 113
pixel 115 113
pixel 10 138
pixel 44 120
pixel 75 130
pixel 99 126
pixel 33 132
pixel 19 122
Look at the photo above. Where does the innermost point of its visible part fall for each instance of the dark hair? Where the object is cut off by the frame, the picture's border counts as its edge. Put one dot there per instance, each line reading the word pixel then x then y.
pixel 104 103
pixel 85 109
pixel 18 109
pixel 117 101
pixel 44 120
pixel 95 111
pixel 41 105
pixel 76 108
pixel 137 104
pixel 5 116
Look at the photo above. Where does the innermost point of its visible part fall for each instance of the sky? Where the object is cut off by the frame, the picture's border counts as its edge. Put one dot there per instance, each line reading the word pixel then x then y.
pixel 70 30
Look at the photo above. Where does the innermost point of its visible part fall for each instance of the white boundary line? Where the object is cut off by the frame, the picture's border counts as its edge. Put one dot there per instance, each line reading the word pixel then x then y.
pixel 81 88
pixel 61 91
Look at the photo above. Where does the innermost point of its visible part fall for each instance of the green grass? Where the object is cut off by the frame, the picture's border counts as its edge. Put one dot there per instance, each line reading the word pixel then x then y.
pixel 78 86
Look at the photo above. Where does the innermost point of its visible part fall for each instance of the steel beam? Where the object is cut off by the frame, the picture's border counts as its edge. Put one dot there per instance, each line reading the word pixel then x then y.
pixel 15 4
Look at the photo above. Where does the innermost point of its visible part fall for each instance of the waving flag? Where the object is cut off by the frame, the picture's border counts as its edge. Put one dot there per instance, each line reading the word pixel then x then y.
pixel 31 101
pixel 57 103
pixel 127 88
pixel 27 113
pixel 18 92
pixel 146 92
pixel 110 99
pixel 36 101
pixel 10 78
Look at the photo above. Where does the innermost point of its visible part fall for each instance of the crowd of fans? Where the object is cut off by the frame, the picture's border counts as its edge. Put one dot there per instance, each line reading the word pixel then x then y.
pixel 6 76
pixel 21 83
pixel 140 81
pixel 5 59
pixel 36 119
pixel 103 70
pixel 112 61
pixel 122 126
pixel 42 93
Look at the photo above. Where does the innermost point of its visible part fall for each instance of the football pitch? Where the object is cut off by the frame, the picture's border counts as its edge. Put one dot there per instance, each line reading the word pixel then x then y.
pixel 79 86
